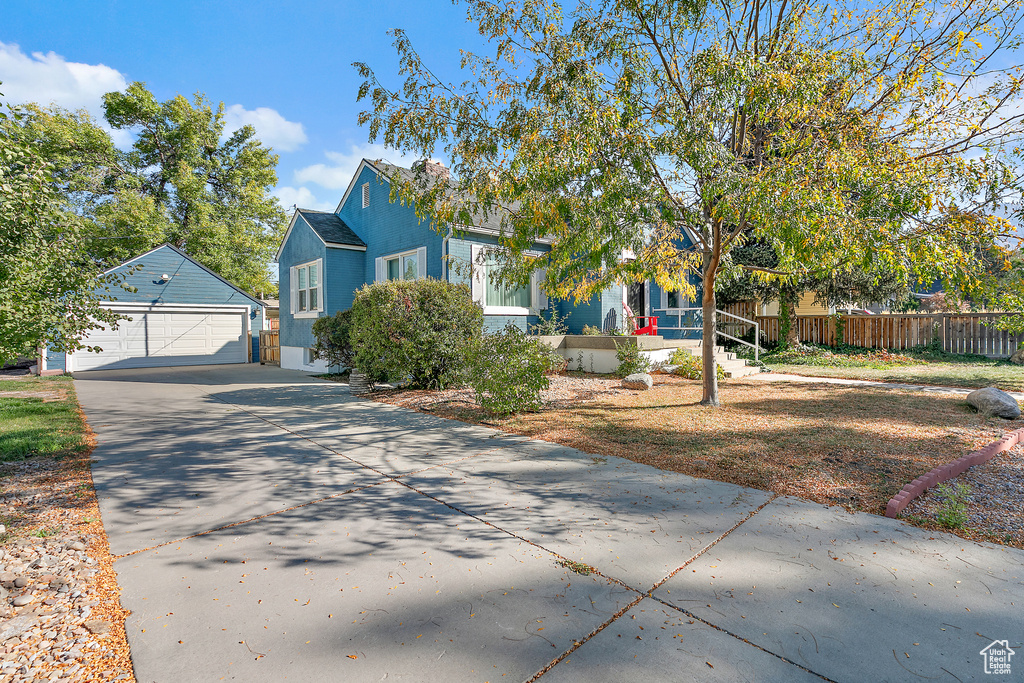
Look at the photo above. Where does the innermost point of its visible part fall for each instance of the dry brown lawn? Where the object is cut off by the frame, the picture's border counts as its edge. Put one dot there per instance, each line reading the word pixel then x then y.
pixel 851 446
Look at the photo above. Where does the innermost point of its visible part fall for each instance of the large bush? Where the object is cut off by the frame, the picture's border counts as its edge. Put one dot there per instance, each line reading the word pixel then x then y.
pixel 415 330
pixel 507 370
pixel 333 342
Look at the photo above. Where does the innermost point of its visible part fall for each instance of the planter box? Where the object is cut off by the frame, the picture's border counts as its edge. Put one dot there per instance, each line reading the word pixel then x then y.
pixel 596 353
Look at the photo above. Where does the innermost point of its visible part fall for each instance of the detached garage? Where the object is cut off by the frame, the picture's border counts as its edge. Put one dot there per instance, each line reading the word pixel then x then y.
pixel 181 313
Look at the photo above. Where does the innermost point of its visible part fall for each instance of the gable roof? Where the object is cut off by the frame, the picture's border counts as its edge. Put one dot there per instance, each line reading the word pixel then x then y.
pixel 327 226
pixel 179 252
pixel 488 223
pixel 330 228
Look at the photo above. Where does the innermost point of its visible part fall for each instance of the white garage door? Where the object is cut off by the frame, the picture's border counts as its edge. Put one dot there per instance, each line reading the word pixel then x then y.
pixel 158 339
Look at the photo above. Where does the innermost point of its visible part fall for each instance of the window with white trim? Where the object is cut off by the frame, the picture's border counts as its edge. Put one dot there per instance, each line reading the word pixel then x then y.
pixel 406 265
pixel 307 289
pixel 498 299
pixel 498 295
pixel 366 195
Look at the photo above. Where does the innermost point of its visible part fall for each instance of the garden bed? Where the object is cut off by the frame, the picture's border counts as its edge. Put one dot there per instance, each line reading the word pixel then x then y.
pixel 838 445
pixel 54 552
pixel 993 504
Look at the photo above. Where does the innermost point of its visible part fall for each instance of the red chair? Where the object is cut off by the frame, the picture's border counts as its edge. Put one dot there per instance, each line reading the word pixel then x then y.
pixel 646 324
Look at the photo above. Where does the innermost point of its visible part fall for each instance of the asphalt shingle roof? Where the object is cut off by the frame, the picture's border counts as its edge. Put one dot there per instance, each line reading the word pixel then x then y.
pixel 331 228
pixel 490 220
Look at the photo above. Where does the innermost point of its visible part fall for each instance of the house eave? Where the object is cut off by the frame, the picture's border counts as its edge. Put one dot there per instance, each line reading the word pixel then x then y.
pixel 339 245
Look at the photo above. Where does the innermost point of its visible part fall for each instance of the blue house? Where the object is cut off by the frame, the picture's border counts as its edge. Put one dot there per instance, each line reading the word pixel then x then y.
pixel 326 256
pixel 181 313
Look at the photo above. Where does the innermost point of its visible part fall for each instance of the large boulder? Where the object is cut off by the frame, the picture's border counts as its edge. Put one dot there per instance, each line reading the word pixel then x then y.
pixel 992 402
pixel 640 381
pixel 1018 356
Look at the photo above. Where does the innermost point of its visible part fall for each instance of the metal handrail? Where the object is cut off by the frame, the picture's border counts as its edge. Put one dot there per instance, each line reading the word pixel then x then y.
pixel 678 312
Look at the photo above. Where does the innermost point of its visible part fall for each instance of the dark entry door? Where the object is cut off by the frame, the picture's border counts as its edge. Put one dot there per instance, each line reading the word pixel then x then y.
pixel 637 298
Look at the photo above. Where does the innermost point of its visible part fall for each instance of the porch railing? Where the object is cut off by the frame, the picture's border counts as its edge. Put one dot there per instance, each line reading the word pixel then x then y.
pixel 694 319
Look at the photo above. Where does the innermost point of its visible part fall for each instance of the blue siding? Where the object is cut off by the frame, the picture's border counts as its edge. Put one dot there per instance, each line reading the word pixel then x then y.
pixel 55 360
pixel 343 275
pixel 388 228
pixel 189 284
pixel 665 320
pixel 303 245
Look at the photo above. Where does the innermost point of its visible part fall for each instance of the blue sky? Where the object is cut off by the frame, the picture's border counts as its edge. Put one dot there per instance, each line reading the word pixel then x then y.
pixel 285 67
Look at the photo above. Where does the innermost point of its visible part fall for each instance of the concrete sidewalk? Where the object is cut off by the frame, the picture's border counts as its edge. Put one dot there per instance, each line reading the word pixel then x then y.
pixel 929 388
pixel 271 527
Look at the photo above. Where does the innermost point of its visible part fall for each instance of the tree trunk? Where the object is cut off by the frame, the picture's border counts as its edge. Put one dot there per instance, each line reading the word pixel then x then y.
pixel 787 311
pixel 710 332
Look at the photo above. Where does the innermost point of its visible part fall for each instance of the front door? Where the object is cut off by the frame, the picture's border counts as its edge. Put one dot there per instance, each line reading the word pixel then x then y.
pixel 636 299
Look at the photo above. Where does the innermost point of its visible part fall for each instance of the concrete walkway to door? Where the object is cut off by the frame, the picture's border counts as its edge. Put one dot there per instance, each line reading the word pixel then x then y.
pixel 271 527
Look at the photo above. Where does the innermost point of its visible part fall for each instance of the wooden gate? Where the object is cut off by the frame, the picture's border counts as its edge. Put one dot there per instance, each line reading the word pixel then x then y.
pixel 270 347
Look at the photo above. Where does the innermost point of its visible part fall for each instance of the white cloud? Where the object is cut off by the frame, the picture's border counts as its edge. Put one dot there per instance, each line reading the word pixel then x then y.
pixel 338 174
pixel 301 197
pixel 271 128
pixel 50 79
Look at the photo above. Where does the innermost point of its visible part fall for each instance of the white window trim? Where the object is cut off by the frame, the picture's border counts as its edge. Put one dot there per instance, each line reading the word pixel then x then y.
pixel 538 301
pixel 294 291
pixel 366 195
pixel 381 265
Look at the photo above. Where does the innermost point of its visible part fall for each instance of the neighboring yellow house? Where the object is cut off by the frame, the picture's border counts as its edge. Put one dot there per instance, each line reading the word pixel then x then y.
pixel 805 306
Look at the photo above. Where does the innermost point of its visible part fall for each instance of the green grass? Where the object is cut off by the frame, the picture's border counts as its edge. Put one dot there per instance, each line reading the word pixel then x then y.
pixel 30 426
pixel 920 366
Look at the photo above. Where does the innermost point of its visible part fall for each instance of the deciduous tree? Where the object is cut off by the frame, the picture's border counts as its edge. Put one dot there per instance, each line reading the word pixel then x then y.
pixel 183 181
pixel 846 133
pixel 49 287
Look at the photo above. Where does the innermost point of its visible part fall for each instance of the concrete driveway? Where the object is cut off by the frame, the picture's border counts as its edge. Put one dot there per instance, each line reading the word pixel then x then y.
pixel 271 527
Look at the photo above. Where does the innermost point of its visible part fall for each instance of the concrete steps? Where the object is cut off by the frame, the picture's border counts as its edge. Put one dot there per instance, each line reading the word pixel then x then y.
pixel 733 366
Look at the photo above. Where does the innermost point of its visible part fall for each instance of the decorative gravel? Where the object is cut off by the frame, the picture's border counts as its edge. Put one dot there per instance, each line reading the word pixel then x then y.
pixel 60 615
pixel 995 504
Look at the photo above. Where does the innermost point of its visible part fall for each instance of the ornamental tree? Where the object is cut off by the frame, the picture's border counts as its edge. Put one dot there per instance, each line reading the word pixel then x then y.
pixel 627 130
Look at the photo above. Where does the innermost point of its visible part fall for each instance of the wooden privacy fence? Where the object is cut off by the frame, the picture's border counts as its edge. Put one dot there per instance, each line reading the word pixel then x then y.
pixel 270 347
pixel 956 332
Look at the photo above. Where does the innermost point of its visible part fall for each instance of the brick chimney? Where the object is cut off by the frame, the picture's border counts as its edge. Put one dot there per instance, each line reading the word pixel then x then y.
pixel 437 169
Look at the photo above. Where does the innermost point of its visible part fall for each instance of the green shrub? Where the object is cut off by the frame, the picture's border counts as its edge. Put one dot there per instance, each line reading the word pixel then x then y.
pixel 508 370
pixel 332 335
pixel 415 330
pixel 551 325
pixel 590 330
pixel 952 512
pixel 690 366
pixel 631 360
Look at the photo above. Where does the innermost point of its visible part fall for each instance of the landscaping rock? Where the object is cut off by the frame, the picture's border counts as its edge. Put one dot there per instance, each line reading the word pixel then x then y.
pixel 992 402
pixel 640 381
pixel 1018 357
pixel 22 600
pixel 97 626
